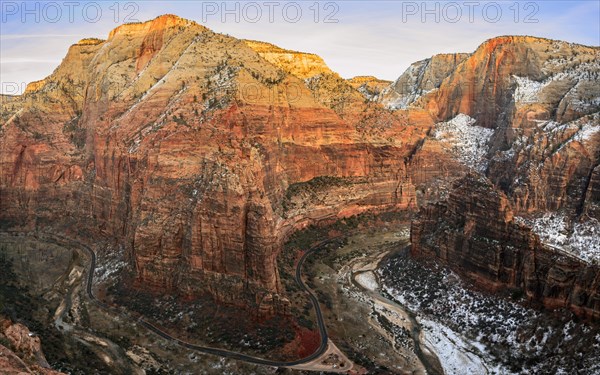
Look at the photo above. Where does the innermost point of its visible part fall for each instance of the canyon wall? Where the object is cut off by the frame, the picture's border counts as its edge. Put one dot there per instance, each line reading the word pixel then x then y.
pixel 475 233
pixel 523 112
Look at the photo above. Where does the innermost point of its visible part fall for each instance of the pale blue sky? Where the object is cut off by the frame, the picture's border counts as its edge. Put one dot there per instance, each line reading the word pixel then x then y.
pixel 378 38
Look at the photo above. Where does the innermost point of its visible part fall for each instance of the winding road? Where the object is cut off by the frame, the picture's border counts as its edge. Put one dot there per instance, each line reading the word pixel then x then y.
pixel 216 351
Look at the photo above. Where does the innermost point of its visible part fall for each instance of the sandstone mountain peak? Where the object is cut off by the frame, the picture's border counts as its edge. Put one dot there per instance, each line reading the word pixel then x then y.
pixel 159 23
pixel 449 56
pixel 508 39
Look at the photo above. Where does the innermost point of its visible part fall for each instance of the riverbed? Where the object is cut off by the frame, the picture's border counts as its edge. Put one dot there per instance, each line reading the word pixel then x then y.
pixel 365 321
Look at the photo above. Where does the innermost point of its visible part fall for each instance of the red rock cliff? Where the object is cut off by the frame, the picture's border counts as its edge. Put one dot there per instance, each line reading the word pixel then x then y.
pixel 182 145
pixel 475 234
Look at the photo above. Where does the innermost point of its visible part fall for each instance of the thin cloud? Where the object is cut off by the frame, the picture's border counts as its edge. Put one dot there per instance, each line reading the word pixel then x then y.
pixel 26 60
pixel 37 36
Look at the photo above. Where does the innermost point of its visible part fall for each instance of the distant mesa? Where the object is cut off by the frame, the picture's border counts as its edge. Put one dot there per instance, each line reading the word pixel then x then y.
pixel 90 42
pixel 34 86
pixel 300 64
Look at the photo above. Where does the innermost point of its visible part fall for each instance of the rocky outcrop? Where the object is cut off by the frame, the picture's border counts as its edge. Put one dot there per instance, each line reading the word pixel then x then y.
pixel 419 79
pixel 475 234
pixel 300 64
pixel 34 86
pixel 25 355
pixel 552 168
pixel 345 97
pixel 371 87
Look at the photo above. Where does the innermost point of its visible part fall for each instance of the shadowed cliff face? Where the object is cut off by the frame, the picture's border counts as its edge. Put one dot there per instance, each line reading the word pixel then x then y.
pixel 474 233
pixel 197 154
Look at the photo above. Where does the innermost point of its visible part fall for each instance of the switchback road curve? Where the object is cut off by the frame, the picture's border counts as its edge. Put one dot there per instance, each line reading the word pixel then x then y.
pixel 206 349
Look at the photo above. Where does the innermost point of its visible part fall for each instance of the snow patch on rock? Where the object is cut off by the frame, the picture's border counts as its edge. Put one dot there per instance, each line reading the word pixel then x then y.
pixel 552 229
pixel 109 265
pixel 467 141
pixel 453 352
pixel 506 336
pixel 405 90
pixel 367 280
pixel 580 239
pixel 527 90
pixel 586 132
pixel 585 240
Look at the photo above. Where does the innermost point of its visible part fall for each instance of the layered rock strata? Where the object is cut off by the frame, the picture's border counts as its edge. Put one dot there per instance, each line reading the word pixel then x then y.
pixel 475 233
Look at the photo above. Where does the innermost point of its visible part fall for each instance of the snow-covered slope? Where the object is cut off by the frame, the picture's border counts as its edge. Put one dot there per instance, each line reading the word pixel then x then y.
pixel 581 239
pixel 465 140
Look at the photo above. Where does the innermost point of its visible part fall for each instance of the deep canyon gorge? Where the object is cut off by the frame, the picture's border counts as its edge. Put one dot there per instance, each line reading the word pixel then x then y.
pixel 195 157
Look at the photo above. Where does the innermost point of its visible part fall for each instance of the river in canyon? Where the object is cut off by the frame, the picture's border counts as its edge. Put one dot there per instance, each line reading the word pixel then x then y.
pixel 392 314
pixel 363 319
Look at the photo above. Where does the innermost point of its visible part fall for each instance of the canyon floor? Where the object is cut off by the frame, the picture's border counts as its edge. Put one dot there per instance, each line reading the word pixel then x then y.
pixel 418 319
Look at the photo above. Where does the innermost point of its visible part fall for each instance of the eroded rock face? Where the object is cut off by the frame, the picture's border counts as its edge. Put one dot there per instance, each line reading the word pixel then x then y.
pixel 371 87
pixel 26 356
pixel 196 154
pixel 300 64
pixel 420 78
pixel 521 111
pixel 475 234
pixel 557 80
pixel 552 168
